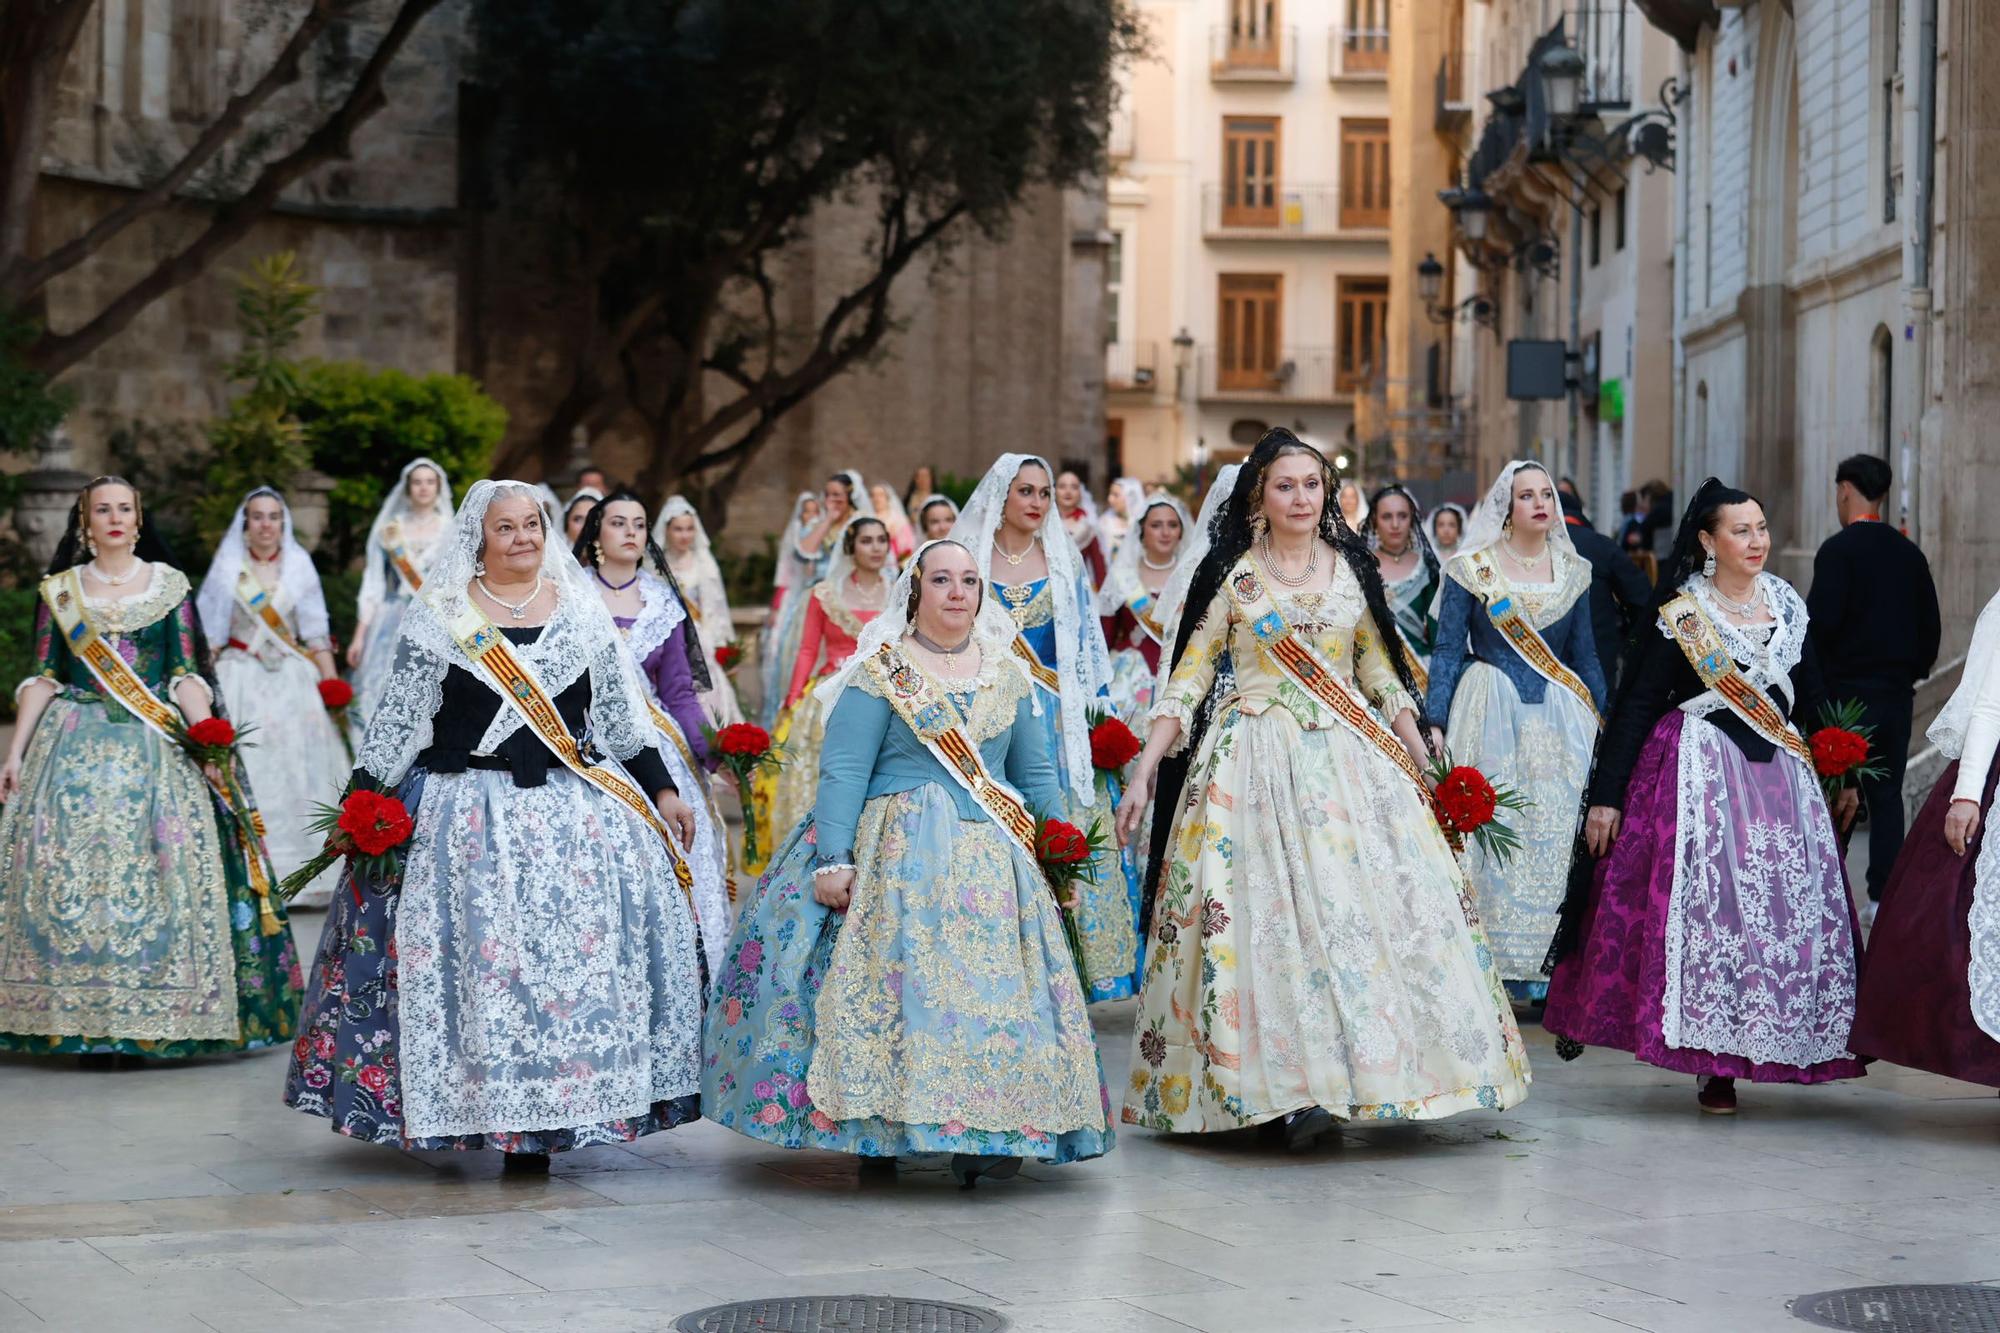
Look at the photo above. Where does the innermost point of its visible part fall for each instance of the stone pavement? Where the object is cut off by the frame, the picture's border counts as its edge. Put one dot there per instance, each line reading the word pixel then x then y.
pixel 189 1198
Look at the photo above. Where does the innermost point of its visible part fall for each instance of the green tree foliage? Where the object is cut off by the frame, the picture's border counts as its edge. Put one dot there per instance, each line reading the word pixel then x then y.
pixel 736 123
pixel 30 407
pixel 259 441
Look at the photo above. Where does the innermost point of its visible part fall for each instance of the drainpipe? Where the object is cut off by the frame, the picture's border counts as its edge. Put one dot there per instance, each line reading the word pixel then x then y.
pixel 1918 300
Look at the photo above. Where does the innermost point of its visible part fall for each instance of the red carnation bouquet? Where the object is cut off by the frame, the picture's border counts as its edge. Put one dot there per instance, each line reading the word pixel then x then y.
pixel 1112 744
pixel 368 828
pixel 1068 856
pixel 745 749
pixel 1466 803
pixel 1843 747
pixel 336 695
pixel 728 655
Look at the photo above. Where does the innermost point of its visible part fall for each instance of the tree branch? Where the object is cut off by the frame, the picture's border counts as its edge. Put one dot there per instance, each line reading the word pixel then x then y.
pixel 53 353
pixel 35 45
pixel 283 72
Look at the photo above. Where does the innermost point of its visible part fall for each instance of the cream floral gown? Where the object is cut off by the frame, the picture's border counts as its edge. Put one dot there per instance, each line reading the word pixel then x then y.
pixel 1314 942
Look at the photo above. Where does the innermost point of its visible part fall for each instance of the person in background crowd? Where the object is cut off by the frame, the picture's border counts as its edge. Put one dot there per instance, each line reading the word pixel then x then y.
pixel 1875 623
pixel 1122 504
pixel 1353 505
pixel 592 478
pixel 1446 525
pixel 923 482
pixel 1619 592
pixel 935 516
pixel 1079 519
pixel 412 521
pixel 1629 522
pixel 902 535
pixel 1567 488
pixel 679 533
pixel 576 511
pixel 1658 499
pixel 1641 555
pixel 1394 529
pixel 1128 602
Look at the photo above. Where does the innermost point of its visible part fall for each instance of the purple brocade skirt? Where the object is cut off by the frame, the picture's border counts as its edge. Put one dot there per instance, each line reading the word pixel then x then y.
pixel 1612 990
pixel 1916 1004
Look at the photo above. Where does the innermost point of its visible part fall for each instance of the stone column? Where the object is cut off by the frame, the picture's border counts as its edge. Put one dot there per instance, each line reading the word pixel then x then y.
pixel 48 494
pixel 308 497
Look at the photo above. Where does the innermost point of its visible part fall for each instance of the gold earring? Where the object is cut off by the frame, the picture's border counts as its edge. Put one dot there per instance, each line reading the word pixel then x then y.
pixel 597 553
pixel 1259 526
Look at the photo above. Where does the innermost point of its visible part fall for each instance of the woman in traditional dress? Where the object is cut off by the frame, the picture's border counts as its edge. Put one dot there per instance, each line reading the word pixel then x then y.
pixel 923 483
pixel 1129 602
pixel 1446 528
pixel 1122 504
pixel 632 578
pixel 1353 505
pixel 529 982
pixel 413 518
pixel 1516 679
pixel 263 605
pixel 1079 519
pixel 902 536
pixel 1410 571
pixel 1315 954
pixel 935 516
pixel 678 531
pixel 901 982
pixel 1034 572
pixel 811 551
pixel 1930 998
pixel 576 511
pixel 136 916
pixel 792 569
pixel 855 591
pixel 1715 936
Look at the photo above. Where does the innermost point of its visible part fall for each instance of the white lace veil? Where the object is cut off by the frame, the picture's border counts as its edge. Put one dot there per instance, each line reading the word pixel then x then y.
pixel 579 637
pixel 703 580
pixel 1134 492
pixel 1982 659
pixel 992 627
pixel 864 503
pixel 788 542
pixel 395 508
pixel 300 581
pixel 917 515
pixel 1121 580
pixel 586 495
pixel 552 508
pixel 1431 528
pixel 1083 664
pixel 843 564
pixel 1194 546
pixel 1486 527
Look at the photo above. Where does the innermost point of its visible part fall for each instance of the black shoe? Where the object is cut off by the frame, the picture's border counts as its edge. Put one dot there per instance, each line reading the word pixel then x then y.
pixel 1304 1128
pixel 878 1168
pixel 525 1164
pixel 968 1168
pixel 97 1062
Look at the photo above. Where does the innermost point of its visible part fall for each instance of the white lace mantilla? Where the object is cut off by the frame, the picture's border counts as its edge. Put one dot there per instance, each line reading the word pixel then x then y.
pixel 660 613
pixel 1766 653
pixel 1983 922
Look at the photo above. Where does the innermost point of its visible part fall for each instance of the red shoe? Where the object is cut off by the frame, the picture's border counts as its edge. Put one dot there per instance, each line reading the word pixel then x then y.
pixel 1717 1096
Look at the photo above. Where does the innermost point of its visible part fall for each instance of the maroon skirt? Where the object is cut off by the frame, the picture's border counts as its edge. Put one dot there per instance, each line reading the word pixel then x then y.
pixel 1915 1005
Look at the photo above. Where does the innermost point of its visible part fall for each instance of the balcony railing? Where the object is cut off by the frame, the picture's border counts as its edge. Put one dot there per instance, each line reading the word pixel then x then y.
pixel 1454 108
pixel 1296 211
pixel 1131 365
pixel 1358 53
pixel 1297 375
pixel 1256 57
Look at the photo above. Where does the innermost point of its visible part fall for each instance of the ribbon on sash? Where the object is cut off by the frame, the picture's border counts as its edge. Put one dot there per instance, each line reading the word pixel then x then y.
pixel 936 721
pixel 255 598
pixel 492 653
pixel 1514 626
pixel 1044 676
pixel 399 556
pixel 1304 665
pixel 666 726
pixel 116 679
pixel 1141 606
pixel 1701 643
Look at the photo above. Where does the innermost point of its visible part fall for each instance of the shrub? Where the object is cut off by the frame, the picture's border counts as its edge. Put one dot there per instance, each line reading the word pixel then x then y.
pixel 17 642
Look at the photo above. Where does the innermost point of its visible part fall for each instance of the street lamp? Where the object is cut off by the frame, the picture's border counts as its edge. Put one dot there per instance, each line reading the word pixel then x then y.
pixel 1471 207
pixel 1563 68
pixel 1430 279
pixel 1183 358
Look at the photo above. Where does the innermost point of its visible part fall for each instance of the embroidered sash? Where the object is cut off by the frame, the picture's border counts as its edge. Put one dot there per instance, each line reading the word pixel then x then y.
pixel 255 598
pixel 492 653
pixel 1304 665
pixel 1701 643
pixel 936 722
pixel 666 726
pixel 115 678
pixel 1515 627
pixel 1420 674
pixel 1044 676
pixel 399 556
pixel 1141 606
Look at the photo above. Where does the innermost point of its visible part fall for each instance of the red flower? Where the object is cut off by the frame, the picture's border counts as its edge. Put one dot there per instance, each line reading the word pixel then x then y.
pixel 1465 800
pixel 745 739
pixel 373 1077
pixel 1062 844
pixel 375 822
pixel 1837 752
pixel 213 731
pixel 728 655
pixel 1112 745
pixel 336 693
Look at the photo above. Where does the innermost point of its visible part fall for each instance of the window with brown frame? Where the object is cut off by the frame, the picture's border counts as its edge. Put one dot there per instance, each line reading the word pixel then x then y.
pixel 1248 315
pixel 1365 42
pixel 1364 173
pixel 1253 33
pixel 1361 323
pixel 1250 171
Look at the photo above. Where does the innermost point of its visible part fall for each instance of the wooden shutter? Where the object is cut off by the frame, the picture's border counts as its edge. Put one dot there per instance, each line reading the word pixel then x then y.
pixel 1250 308
pixel 1253 33
pixel 1250 171
pixel 1361 325
pixel 1364 173
pixel 1365 44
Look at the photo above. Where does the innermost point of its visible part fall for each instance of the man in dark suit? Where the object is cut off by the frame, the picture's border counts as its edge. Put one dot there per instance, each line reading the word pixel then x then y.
pixel 1618 591
pixel 1875 623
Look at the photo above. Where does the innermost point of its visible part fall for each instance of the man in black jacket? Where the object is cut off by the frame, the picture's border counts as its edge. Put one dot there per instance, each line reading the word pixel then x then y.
pixel 1618 591
pixel 1875 623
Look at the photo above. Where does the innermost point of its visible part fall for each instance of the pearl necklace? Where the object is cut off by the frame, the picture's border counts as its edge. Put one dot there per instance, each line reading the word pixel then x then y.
pixel 861 603
pixel 122 579
pixel 1147 561
pixel 1739 608
pixel 1289 580
pixel 1008 555
pixel 1524 563
pixel 519 608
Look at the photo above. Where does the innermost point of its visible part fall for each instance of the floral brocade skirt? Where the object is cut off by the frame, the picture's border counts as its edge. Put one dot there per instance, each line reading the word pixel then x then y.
pixel 295 758
pixel 530 983
pixel 940 1013
pixel 795 786
pixel 1314 944
pixel 127 922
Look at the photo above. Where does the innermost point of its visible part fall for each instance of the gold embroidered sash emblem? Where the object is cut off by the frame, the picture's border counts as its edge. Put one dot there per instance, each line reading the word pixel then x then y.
pixel 63 593
pixel 1701 643
pixel 1507 617
pixel 1043 674
pixel 399 556
pixel 490 651
pixel 257 600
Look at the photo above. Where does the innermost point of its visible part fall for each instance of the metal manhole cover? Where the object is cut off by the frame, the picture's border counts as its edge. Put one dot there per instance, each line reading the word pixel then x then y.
pixel 1904 1309
pixel 841 1314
